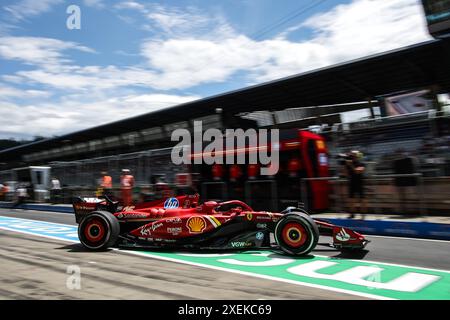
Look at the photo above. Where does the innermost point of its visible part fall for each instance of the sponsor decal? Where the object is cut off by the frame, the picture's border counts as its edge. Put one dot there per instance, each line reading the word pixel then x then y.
pixel 342 235
pixel 196 224
pixel 249 216
pixel 156 226
pixel 174 220
pixel 241 244
pixel 134 215
pixel 265 218
pixel 147 230
pixel 259 236
pixel 171 203
pixel 174 231
pixel 128 208
pixel 86 208
pixel 261 225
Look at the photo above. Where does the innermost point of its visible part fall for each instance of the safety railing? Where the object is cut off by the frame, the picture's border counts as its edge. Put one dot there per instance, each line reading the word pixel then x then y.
pixel 387 193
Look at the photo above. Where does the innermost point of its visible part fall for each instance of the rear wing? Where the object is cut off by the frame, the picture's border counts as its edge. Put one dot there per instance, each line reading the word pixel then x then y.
pixel 83 206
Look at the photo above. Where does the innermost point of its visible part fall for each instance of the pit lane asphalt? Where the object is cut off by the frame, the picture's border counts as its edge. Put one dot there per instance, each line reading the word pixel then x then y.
pixel 34 267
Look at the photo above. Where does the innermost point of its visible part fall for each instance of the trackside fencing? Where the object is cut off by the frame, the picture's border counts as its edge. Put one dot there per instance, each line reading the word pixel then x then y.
pixel 383 194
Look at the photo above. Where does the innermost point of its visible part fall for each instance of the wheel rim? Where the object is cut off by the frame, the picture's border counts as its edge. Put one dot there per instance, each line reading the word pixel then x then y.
pixel 94 230
pixel 294 234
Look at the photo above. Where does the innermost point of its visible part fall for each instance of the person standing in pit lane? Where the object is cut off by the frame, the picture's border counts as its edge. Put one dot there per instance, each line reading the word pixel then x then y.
pixel 355 174
pixel 106 184
pixel 126 187
pixel 22 194
pixel 55 191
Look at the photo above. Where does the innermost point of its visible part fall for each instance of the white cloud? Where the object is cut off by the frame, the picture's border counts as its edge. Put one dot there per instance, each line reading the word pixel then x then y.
pixel 29 8
pixel 69 114
pixel 191 50
pixel 348 31
pixel 37 50
pixel 184 60
pixel 188 23
pixel 369 26
pixel 90 78
pixel 174 22
pixel 187 62
pixel 94 3
pixel 131 5
pixel 11 92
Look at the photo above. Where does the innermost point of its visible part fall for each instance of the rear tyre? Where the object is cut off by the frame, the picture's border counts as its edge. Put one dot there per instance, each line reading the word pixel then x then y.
pixel 297 234
pixel 99 230
pixel 294 210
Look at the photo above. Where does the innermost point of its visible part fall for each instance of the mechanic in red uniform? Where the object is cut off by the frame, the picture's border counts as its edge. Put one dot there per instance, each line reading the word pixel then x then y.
pixel 217 171
pixel 294 167
pixel 235 172
pixel 106 183
pixel 252 171
pixel 126 187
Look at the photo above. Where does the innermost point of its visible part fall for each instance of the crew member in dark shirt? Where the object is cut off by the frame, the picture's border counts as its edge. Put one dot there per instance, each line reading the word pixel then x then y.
pixel 405 166
pixel 355 174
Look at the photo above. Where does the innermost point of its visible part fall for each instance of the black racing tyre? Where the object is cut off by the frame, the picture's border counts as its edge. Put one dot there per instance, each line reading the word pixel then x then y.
pixel 99 230
pixel 296 234
pixel 294 210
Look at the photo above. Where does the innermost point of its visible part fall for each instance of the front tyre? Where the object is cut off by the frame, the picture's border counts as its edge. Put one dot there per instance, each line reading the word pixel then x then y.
pixel 99 230
pixel 296 234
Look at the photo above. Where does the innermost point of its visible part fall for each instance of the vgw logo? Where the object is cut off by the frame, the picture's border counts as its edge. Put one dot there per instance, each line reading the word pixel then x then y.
pixel 171 203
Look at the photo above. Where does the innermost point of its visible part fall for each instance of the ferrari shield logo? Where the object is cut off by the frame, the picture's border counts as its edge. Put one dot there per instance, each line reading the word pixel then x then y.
pixel 249 216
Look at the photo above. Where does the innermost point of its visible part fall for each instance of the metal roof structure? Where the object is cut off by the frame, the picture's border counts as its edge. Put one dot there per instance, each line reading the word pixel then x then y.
pixel 424 65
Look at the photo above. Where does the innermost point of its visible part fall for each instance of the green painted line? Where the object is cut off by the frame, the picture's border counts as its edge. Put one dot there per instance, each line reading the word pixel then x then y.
pixel 375 280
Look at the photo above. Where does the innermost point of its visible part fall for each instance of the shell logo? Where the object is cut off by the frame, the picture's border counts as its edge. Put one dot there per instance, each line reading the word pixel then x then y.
pixel 196 224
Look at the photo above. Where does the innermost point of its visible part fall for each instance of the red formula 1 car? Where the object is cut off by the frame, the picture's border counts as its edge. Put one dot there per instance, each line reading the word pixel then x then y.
pixel 182 222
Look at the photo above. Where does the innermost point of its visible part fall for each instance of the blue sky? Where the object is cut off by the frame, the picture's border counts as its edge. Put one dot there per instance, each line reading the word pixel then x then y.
pixel 132 57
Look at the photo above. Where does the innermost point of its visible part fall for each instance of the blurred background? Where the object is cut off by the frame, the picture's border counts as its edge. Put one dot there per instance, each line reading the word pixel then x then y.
pixel 403 144
pixel 367 136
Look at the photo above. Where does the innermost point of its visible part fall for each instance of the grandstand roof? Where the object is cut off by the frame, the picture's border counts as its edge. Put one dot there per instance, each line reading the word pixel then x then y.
pixel 417 66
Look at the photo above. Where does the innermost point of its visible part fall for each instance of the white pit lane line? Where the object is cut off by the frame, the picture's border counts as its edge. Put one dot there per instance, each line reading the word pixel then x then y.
pixel 406 238
pixel 149 255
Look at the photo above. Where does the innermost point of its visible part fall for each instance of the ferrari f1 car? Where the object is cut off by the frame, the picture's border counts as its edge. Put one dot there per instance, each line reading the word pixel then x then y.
pixel 183 222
